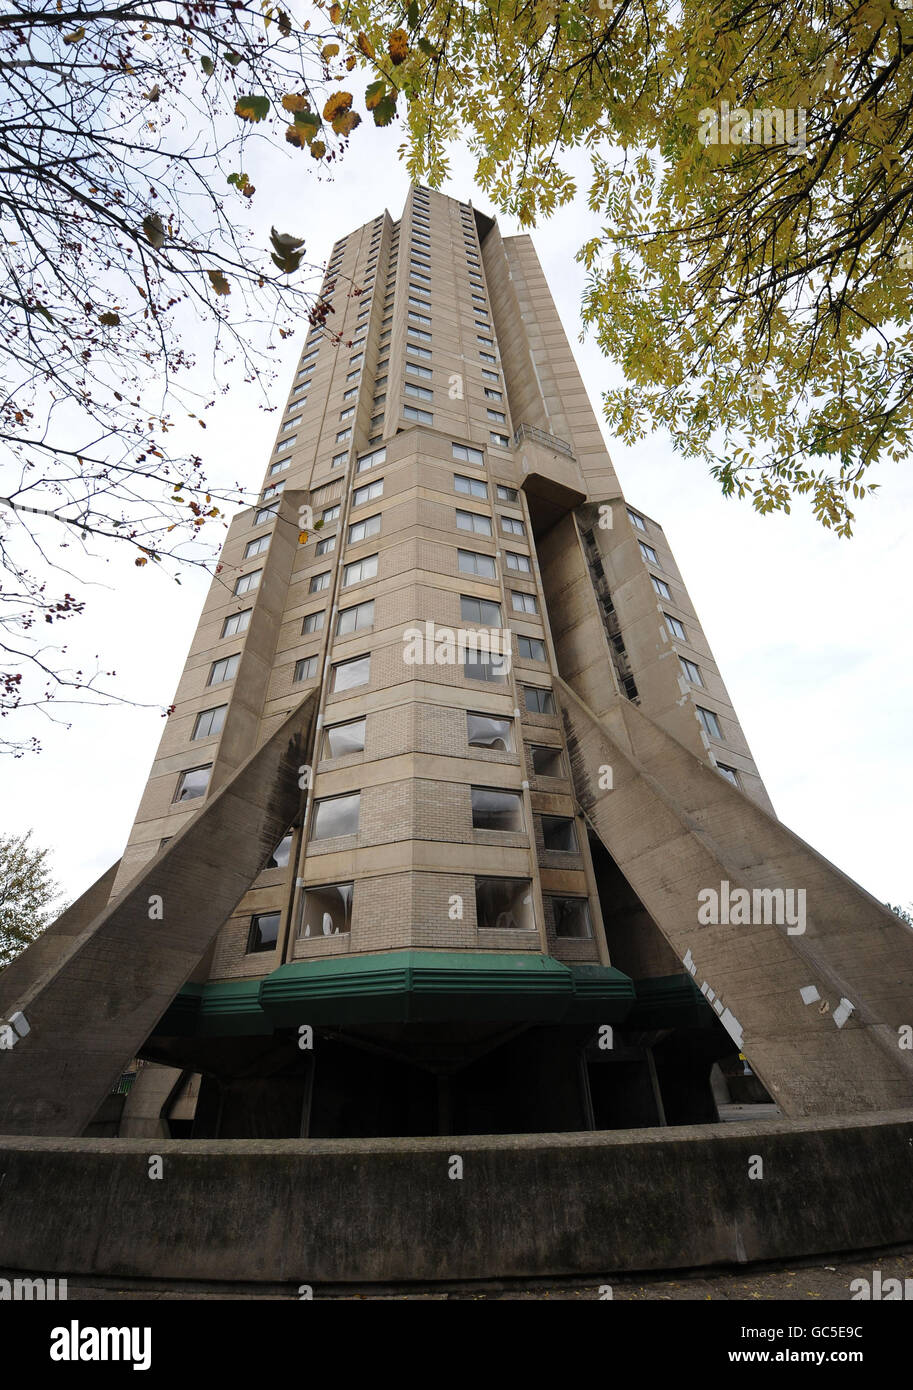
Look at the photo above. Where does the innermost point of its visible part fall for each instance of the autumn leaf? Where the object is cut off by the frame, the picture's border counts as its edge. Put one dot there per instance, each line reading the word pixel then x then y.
pixel 365 45
pixel 154 230
pixel 374 93
pixel 329 51
pixel 109 319
pixel 350 62
pixel 338 104
pixel 384 111
pixel 297 135
pixel 140 560
pixel 318 149
pixel 346 123
pixel 251 108
pixel 335 13
pixel 75 36
pixel 295 101
pixel 398 46
pixel 218 282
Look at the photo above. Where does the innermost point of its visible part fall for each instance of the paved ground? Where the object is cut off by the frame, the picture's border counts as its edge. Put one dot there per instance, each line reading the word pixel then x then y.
pixel 826 1280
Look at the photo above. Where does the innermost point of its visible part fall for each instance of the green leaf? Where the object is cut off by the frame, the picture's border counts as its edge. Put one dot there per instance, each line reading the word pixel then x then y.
pixel 384 111
pixel 375 93
pixel 412 14
pixel 251 108
pixel 208 66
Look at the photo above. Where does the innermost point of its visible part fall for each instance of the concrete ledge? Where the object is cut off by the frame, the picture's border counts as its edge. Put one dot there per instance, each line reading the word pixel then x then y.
pixel 386 1210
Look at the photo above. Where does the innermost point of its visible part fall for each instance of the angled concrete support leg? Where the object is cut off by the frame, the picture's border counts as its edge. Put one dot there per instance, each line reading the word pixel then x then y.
pixel 103 992
pixel 818 1006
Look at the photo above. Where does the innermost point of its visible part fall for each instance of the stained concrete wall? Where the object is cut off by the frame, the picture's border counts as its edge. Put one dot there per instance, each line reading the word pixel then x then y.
pixel 324 1211
pixel 96 1005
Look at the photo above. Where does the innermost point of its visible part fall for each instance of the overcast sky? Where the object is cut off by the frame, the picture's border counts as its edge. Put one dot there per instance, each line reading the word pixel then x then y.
pixel 808 630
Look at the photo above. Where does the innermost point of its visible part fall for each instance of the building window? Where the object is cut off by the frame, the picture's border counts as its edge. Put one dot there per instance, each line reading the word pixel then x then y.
pixel 358 570
pixel 336 815
pixel 343 435
pixel 559 833
pixel 264 932
pixel 485 731
pixel 306 669
pixel 351 393
pixel 473 521
pixel 472 563
pixel 313 622
pixel 423 417
pixel 504 904
pixel 290 425
pixel 494 809
pixel 224 669
pixel 648 552
pixel 279 467
pixel 675 627
pixel 484 666
pixel 531 648
pixel 729 773
pixel 330 513
pixel 523 603
pixel 572 918
pixel 416 369
pixel 480 610
pixel 286 443
pixel 512 527
pixel 519 563
pixel 319 582
pixel 417 351
pixel 349 674
pixel 637 521
pixel 371 460
pixel 347 413
pixel 489 376
pixel 547 761
pixel 209 722
pixel 236 622
pixel 367 493
pixel 273 490
pixel 692 671
pixel 472 487
pixel 507 494
pixel 539 699
pixel 420 334
pixel 354 619
pixel 500 439
pixel 326 911
pixel 193 783
pixel 247 582
pixel 281 854
pixel 265 514
pixel 360 530
pixel 497 415
pixel 323 547
pixel 710 722
pixel 339 459
pixel 340 739
pixel 465 454
pixel 420 393
pixel 661 587
pixel 488 357
pixel 256 547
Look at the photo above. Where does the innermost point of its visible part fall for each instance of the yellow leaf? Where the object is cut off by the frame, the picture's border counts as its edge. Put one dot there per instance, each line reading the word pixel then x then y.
pixel 345 124
pixel 218 282
pixel 398 45
pixel 338 104
pixel 363 43
pixel 329 51
pixel 295 101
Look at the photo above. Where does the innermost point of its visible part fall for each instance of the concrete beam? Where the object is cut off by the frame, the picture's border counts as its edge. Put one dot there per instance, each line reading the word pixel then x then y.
pixel 820 1012
pixel 93 1006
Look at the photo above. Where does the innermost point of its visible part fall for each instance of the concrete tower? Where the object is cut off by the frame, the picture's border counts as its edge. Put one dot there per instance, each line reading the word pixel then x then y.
pixel 454 817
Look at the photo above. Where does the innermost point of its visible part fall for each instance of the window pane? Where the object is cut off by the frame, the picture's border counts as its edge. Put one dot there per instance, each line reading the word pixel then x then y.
pixel 209 722
pixel 193 783
pixel 572 917
pixel 349 674
pixel 558 833
pixel 504 904
pixel 547 762
pixel 280 855
pixel 496 810
pixel 264 932
pixel 327 910
pixel 338 815
pixel 341 739
pixel 484 731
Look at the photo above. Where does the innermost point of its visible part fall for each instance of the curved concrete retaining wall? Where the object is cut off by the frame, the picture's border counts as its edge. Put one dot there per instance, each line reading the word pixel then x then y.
pixel 327 1211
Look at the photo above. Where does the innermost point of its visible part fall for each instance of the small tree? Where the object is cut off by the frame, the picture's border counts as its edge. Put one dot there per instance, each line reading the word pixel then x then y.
pixel 26 893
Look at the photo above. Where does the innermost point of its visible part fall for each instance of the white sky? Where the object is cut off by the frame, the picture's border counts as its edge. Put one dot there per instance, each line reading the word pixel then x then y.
pixel 807 629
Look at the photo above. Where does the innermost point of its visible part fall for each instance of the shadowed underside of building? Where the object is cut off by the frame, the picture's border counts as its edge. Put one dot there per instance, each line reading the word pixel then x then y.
pixel 384 882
